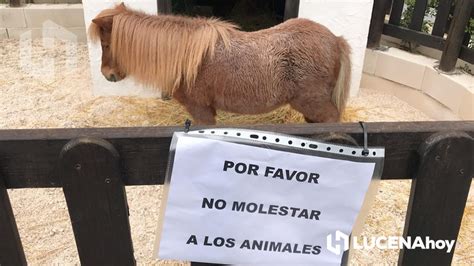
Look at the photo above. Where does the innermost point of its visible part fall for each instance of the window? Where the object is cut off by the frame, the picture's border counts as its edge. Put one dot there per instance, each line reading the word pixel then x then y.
pixel 250 15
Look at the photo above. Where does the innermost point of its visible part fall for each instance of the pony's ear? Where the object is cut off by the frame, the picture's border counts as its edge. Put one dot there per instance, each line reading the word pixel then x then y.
pixel 106 17
pixel 121 6
pixel 103 20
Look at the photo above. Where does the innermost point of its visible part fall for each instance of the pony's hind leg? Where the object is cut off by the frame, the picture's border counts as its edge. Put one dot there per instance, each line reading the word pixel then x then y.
pixel 316 111
pixel 202 115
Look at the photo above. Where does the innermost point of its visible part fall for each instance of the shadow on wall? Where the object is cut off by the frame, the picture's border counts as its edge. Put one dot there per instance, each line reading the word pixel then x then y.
pixel 251 15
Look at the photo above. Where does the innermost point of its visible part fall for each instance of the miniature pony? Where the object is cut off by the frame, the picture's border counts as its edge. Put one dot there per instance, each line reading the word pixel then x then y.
pixel 208 64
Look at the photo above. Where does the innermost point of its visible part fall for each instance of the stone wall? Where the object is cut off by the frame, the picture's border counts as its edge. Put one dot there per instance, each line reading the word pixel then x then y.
pixel 37 20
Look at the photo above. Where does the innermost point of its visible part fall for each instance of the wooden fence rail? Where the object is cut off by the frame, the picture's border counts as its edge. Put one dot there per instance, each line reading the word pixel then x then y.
pixel 93 166
pixel 452 47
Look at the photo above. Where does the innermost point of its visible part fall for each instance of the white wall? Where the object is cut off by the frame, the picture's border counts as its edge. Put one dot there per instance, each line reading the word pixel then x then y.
pixel 100 85
pixel 63 21
pixel 349 18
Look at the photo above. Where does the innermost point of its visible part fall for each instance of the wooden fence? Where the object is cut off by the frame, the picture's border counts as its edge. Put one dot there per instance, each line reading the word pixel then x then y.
pixel 93 166
pixel 452 47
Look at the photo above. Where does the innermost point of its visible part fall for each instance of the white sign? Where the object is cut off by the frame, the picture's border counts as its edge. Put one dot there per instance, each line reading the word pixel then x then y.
pixel 240 204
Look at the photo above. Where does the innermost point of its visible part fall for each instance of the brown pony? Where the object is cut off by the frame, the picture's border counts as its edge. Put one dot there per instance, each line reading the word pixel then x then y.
pixel 208 64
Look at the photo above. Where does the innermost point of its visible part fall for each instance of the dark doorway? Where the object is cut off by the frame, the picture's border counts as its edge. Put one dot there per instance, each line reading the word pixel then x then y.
pixel 250 15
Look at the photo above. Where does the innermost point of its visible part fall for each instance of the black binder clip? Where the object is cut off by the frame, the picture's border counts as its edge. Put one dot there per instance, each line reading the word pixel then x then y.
pixel 187 125
pixel 365 151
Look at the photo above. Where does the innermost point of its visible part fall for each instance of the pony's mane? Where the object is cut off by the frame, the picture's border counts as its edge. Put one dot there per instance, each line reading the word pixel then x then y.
pixel 94 29
pixel 94 32
pixel 165 51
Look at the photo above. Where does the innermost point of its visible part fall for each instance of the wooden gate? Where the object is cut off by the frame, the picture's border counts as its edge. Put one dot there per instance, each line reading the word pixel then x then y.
pixel 452 47
pixel 93 166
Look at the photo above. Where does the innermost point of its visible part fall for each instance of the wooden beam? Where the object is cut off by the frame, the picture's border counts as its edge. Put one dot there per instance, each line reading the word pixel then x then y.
pixel 29 158
pixel 414 36
pixel 438 196
pixel 11 250
pixel 425 39
pixel 467 54
pixel 95 195
pixel 451 50
pixel 376 23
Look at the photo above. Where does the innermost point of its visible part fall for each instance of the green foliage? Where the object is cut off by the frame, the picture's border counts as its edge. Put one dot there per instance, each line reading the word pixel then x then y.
pixel 470 30
pixel 408 14
pixel 431 10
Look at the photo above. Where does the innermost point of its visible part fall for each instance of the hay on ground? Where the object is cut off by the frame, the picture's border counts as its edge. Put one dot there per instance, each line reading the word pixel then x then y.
pixel 28 100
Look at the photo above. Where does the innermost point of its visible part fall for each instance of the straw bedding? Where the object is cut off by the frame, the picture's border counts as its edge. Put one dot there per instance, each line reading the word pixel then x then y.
pixel 31 99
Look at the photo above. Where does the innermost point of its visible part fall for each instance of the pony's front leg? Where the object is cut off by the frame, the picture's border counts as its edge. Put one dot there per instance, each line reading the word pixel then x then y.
pixel 202 115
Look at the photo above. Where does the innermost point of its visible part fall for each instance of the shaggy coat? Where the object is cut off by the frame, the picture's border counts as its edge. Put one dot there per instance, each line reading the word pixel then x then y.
pixel 208 64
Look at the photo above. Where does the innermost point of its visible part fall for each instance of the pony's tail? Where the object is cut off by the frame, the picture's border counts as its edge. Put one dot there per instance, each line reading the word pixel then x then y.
pixel 341 90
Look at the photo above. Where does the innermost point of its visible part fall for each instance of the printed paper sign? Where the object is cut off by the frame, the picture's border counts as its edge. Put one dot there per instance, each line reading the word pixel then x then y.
pixel 237 203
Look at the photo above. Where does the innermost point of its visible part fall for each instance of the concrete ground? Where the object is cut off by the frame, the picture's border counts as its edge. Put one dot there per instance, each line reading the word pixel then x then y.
pixel 31 96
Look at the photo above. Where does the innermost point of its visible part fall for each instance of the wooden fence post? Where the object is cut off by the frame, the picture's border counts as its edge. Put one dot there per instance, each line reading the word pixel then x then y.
pixel 376 23
pixel 96 200
pixel 11 250
pixel 396 12
pixel 438 196
pixel 442 16
pixel 453 45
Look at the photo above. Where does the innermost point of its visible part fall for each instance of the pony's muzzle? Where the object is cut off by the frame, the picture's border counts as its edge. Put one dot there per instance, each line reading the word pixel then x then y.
pixel 112 75
pixel 111 78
